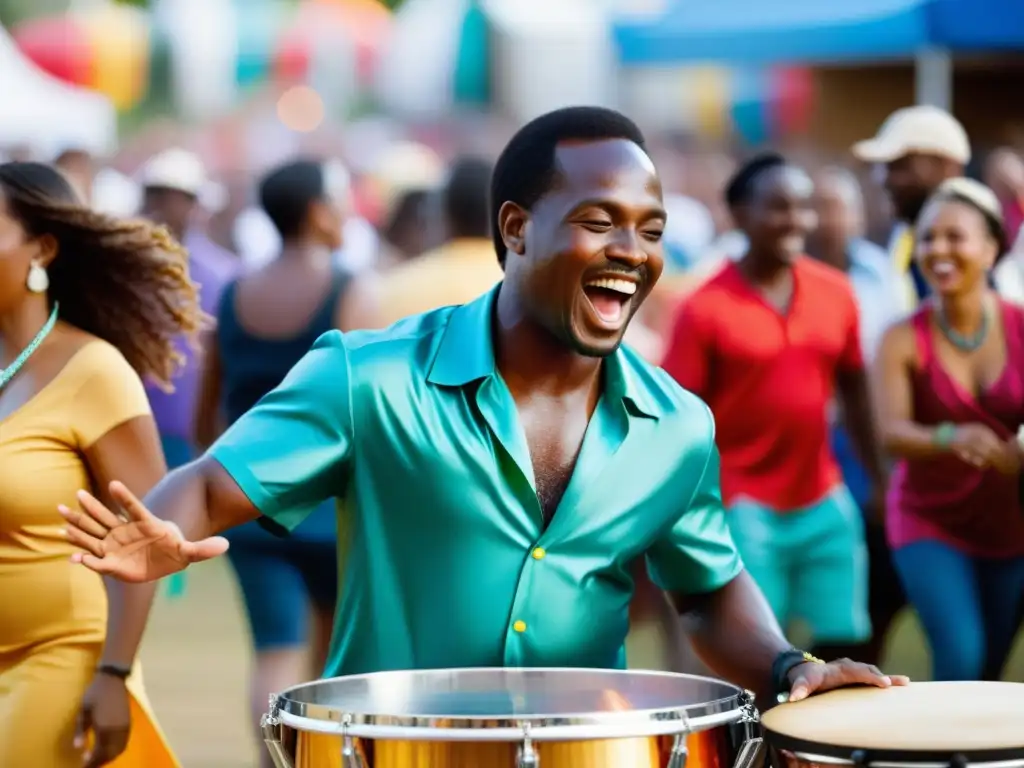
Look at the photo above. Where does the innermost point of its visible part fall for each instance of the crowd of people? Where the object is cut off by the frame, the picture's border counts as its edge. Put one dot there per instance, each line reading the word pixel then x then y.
pixel 800 404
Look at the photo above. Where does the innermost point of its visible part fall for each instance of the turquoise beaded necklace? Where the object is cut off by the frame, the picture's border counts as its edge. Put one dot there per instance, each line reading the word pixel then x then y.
pixel 959 340
pixel 6 374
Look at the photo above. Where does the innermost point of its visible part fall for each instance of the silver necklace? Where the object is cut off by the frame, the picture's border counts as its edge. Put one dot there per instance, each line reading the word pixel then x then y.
pixel 6 374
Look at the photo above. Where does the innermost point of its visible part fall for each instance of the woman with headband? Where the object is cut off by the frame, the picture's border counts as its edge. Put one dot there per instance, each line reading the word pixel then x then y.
pixel 88 306
pixel 950 390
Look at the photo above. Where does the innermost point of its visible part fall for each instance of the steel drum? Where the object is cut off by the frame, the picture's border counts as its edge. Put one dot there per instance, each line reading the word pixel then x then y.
pixel 513 718
pixel 922 725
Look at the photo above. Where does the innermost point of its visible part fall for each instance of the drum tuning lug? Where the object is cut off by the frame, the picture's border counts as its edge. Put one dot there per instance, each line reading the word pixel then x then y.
pixel 679 754
pixel 270 727
pixel 749 708
pixel 350 756
pixel 528 757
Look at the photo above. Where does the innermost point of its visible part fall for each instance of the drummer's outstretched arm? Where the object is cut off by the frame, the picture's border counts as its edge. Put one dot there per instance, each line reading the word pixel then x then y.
pixel 278 462
pixel 202 499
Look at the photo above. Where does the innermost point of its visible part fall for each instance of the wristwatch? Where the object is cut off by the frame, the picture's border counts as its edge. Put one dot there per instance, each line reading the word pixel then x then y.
pixel 114 670
pixel 784 663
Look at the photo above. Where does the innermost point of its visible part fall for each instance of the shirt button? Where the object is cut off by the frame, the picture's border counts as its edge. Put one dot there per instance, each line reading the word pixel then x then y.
pixel 519 626
pixel 538 553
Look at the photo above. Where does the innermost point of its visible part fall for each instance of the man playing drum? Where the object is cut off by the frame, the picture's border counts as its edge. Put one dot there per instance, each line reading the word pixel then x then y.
pixel 500 464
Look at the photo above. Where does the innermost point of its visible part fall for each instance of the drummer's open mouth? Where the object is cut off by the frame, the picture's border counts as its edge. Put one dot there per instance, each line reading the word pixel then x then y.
pixel 609 297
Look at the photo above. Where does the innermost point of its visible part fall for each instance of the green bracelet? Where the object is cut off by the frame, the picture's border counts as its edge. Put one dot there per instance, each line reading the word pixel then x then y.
pixel 944 434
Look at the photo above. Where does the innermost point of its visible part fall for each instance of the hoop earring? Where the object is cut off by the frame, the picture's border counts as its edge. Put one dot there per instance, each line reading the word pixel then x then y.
pixel 38 281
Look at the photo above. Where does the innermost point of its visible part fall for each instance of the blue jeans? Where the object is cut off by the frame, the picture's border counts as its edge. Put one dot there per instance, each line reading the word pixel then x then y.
pixel 969 607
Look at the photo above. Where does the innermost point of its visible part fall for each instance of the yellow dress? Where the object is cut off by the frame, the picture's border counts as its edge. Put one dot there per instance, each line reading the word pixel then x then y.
pixel 52 612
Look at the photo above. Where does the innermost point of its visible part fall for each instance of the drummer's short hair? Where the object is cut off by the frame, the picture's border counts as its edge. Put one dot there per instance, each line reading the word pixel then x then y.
pixel 526 168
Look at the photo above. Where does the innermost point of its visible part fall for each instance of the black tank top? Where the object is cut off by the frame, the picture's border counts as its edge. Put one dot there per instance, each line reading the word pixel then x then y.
pixel 252 366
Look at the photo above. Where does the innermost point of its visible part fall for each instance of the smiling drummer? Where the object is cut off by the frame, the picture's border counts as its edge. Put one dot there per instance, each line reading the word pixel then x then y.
pixel 501 463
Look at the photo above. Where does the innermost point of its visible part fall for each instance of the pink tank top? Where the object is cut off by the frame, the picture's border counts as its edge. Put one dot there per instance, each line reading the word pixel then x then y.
pixel 977 511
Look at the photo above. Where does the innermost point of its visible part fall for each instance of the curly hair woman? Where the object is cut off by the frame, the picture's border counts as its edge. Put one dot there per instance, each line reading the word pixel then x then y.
pixel 89 305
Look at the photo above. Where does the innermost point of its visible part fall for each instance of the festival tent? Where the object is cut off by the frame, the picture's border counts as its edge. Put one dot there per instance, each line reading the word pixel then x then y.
pixel 978 25
pixel 521 56
pixel 46 114
pixel 724 58
pixel 755 32
pixel 812 31
pixel 435 60
pixel 204 56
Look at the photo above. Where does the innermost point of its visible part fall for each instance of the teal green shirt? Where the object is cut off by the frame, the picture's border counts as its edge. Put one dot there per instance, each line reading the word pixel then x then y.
pixel 447 562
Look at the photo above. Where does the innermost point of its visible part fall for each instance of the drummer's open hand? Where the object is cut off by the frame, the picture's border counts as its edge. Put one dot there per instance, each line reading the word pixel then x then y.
pixel 132 545
pixel 814 677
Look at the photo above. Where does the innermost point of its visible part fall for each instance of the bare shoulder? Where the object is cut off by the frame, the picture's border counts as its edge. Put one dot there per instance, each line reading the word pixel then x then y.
pixel 898 342
pixel 68 345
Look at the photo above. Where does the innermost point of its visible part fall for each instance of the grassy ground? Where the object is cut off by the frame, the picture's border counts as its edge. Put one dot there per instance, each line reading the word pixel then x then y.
pixel 196 658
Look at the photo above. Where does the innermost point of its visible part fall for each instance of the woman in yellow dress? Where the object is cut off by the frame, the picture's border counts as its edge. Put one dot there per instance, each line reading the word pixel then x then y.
pixel 88 305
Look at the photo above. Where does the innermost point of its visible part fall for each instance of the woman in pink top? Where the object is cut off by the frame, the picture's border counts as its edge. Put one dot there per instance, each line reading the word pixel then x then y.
pixel 950 386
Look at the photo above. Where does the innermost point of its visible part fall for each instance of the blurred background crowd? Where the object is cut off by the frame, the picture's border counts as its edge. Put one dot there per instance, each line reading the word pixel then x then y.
pixel 265 133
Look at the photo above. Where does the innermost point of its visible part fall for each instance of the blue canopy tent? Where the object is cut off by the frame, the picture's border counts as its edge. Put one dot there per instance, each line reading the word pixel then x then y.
pixel 978 25
pixel 749 36
pixel 815 31
pixel 756 32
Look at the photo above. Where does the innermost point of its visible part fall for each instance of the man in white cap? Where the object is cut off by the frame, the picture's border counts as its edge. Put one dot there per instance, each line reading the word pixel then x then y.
pixel 919 147
pixel 173 183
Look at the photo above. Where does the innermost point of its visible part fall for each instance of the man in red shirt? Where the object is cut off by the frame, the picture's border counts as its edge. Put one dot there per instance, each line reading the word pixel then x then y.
pixel 768 343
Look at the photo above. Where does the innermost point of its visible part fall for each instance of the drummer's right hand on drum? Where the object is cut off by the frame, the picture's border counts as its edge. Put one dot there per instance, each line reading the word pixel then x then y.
pixel 815 676
pixel 132 545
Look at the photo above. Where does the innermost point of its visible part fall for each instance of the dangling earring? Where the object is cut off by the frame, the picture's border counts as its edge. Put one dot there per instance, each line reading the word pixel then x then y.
pixel 38 281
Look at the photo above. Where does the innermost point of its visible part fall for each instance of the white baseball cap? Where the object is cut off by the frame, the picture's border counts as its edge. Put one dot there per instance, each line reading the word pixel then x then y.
pixel 921 129
pixel 175 169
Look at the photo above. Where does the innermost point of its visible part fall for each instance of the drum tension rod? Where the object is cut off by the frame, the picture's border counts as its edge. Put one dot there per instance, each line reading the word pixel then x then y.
pixel 528 757
pixel 679 754
pixel 350 756
pixel 753 753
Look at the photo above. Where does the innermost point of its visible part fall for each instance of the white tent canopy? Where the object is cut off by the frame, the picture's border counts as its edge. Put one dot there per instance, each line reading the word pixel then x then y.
pixel 47 115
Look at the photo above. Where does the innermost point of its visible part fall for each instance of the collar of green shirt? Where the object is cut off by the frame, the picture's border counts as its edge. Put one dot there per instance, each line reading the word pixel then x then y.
pixel 466 354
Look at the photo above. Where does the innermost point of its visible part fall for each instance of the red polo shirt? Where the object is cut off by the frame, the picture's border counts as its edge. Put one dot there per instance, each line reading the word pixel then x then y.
pixel 769 378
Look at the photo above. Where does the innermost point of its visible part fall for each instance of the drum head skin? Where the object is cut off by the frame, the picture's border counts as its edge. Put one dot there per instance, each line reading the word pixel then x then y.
pixel 919 722
pixel 473 698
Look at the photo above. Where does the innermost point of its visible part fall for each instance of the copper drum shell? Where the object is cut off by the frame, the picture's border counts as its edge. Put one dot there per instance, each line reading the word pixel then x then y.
pixel 714 748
